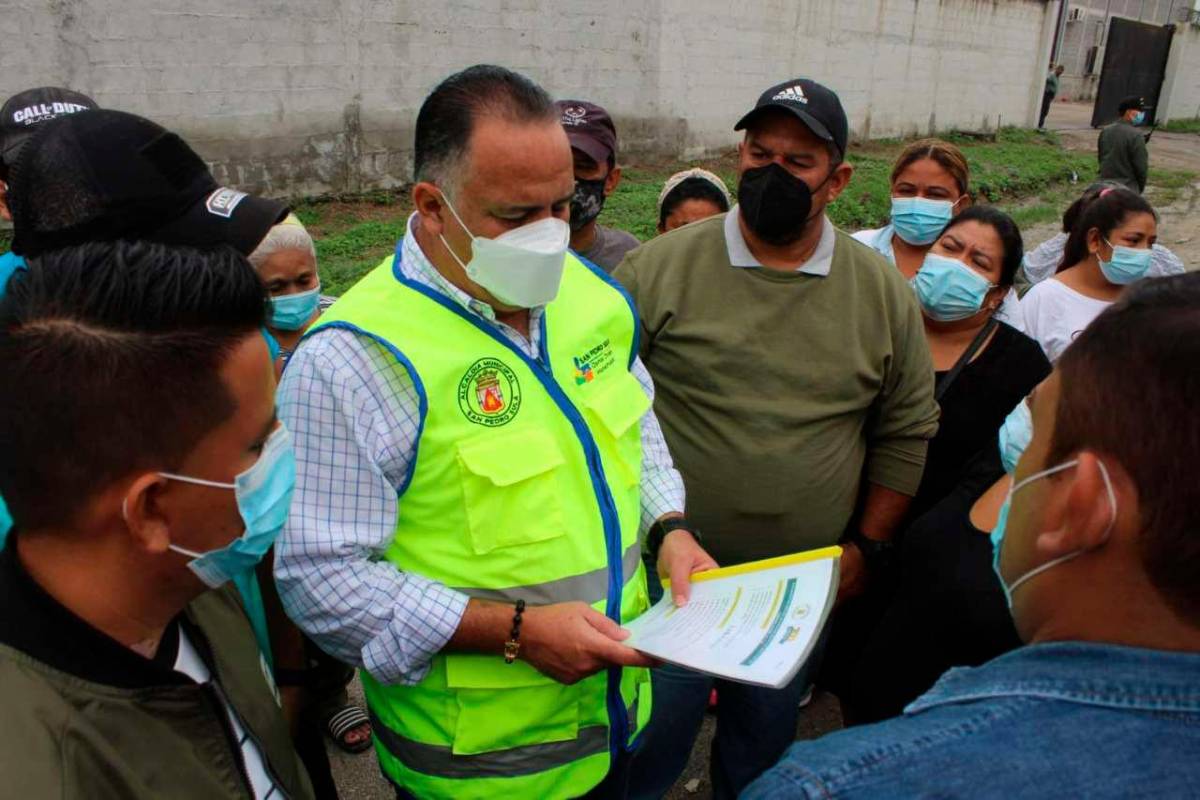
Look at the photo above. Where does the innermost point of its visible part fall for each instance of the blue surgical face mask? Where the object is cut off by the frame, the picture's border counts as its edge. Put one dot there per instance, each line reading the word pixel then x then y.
pixel 948 289
pixel 1002 525
pixel 289 312
pixel 264 496
pixel 919 220
pixel 1015 435
pixel 1139 118
pixel 1128 264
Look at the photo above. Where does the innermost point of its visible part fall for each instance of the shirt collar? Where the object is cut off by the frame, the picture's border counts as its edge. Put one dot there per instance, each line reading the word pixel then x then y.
pixel 740 256
pixel 39 626
pixel 1077 672
pixel 417 266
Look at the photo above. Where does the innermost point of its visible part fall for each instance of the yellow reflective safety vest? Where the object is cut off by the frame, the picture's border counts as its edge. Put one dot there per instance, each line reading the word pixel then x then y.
pixel 525 486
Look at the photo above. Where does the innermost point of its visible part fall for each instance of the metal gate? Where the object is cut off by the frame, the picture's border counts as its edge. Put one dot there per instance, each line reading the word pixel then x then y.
pixel 1135 60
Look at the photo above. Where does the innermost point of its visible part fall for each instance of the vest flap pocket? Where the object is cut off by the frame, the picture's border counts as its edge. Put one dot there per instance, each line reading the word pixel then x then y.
pixel 618 402
pixel 511 457
pixel 512 492
pixel 505 707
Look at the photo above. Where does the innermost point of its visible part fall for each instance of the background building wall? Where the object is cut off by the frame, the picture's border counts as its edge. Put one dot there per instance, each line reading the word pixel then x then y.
pixel 309 96
pixel 1180 98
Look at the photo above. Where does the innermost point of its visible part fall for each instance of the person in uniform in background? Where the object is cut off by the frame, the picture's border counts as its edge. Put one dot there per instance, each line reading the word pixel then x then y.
pixel 690 196
pixel 593 139
pixel 1109 249
pixel 497 465
pixel 1096 551
pixel 1122 147
pixel 1051 92
pixel 128 667
pixel 795 389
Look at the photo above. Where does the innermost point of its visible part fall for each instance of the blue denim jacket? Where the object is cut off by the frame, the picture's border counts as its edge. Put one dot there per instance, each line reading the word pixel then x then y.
pixel 1064 719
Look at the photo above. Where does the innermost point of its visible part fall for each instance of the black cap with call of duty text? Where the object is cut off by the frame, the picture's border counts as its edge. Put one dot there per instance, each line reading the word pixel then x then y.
pixel 816 106
pixel 24 111
pixel 108 175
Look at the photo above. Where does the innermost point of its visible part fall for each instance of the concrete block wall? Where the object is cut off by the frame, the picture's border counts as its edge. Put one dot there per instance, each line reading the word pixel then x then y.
pixel 1180 96
pixel 310 96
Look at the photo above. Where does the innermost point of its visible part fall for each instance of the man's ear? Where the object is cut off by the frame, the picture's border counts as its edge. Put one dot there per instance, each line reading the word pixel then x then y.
pixel 1083 513
pixel 840 179
pixel 144 514
pixel 612 181
pixel 4 210
pixel 429 203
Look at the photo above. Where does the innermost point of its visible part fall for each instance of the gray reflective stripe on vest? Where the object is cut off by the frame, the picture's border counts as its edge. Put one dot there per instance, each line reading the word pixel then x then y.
pixel 439 761
pixel 588 587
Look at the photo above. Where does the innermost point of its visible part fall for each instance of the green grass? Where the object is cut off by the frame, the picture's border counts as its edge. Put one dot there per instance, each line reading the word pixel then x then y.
pixel 1181 126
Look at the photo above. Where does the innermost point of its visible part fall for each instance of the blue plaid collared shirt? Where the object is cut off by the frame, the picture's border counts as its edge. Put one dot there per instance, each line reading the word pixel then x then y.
pixel 353 414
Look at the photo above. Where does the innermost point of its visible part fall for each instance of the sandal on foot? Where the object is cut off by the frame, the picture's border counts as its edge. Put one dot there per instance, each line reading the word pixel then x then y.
pixel 341 723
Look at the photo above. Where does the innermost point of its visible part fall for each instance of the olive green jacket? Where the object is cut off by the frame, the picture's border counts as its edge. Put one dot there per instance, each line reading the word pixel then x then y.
pixel 66 737
pixel 1123 156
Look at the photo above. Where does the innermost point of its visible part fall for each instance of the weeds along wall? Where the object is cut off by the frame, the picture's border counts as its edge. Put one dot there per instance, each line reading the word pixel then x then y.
pixel 311 96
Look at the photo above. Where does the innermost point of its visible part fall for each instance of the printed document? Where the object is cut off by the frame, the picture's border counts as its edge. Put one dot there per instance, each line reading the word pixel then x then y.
pixel 752 623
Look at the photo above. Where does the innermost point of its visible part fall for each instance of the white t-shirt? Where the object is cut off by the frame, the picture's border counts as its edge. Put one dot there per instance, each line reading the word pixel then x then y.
pixel 1055 314
pixel 189 662
pixel 880 240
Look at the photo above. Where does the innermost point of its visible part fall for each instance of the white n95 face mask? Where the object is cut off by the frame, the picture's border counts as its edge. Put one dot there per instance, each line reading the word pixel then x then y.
pixel 522 268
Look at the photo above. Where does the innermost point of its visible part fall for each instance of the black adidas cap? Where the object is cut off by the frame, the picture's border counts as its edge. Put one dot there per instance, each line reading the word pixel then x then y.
pixel 108 175
pixel 816 106
pixel 24 111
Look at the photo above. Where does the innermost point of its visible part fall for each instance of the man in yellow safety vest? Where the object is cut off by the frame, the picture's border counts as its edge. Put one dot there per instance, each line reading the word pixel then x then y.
pixel 477 468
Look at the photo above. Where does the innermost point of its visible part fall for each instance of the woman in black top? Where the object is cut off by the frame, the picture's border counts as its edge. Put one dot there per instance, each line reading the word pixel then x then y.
pixel 984 367
pixel 949 609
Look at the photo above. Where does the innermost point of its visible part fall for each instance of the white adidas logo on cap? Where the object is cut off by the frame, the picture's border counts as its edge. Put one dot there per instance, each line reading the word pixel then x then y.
pixel 793 93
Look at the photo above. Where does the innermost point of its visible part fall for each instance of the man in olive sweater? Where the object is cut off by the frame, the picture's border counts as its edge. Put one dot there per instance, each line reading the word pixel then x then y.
pixel 795 388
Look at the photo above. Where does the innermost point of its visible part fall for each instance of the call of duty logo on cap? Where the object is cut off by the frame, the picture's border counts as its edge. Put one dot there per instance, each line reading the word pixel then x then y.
pixel 24 111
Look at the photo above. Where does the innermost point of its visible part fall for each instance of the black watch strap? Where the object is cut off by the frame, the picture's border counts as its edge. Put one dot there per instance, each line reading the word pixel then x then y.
pixel 659 530
pixel 876 553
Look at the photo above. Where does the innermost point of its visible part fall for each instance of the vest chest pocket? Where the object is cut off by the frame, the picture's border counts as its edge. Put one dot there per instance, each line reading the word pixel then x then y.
pixel 511 489
pixel 619 403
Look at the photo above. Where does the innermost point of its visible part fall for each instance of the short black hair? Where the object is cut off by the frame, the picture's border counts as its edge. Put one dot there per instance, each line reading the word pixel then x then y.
pixel 111 355
pixel 1006 229
pixel 1129 103
pixel 1108 211
pixel 448 115
pixel 691 189
pixel 1130 390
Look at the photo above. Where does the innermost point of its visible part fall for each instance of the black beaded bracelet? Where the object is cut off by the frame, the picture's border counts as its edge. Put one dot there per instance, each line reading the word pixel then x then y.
pixel 513 645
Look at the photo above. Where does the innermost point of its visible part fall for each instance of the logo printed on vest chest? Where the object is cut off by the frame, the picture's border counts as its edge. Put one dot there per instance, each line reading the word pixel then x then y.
pixel 593 362
pixel 489 393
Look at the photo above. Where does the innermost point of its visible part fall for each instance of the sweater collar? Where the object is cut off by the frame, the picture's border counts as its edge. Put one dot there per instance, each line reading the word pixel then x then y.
pixel 740 256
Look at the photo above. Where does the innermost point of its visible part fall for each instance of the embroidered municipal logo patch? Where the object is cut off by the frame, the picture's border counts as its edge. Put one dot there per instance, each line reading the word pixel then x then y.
pixel 489 393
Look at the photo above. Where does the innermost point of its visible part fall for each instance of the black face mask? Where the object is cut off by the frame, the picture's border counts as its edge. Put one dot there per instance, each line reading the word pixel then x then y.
pixel 587 202
pixel 775 203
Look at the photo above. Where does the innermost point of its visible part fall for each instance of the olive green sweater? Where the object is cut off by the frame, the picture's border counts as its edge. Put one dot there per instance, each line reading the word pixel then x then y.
pixel 778 392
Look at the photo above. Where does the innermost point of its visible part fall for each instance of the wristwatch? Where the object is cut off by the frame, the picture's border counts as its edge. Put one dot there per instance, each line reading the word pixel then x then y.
pixel 877 553
pixel 659 530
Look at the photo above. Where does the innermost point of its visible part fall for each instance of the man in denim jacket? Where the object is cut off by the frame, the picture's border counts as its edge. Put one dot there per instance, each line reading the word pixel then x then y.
pixel 1100 559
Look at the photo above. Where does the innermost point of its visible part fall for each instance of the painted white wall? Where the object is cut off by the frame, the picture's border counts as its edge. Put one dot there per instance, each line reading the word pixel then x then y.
pixel 312 95
pixel 1180 97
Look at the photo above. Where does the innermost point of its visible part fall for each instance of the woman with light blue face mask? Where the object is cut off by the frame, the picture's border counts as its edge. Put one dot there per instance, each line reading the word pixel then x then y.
pixel 286 260
pixel 983 366
pixel 1109 248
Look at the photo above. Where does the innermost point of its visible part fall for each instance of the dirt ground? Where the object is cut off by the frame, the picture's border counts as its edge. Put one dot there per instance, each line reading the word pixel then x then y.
pixel 1179 226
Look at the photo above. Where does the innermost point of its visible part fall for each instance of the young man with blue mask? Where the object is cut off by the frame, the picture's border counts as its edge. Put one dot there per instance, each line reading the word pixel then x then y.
pixel 160 475
pixel 1099 557
pixel 1122 151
